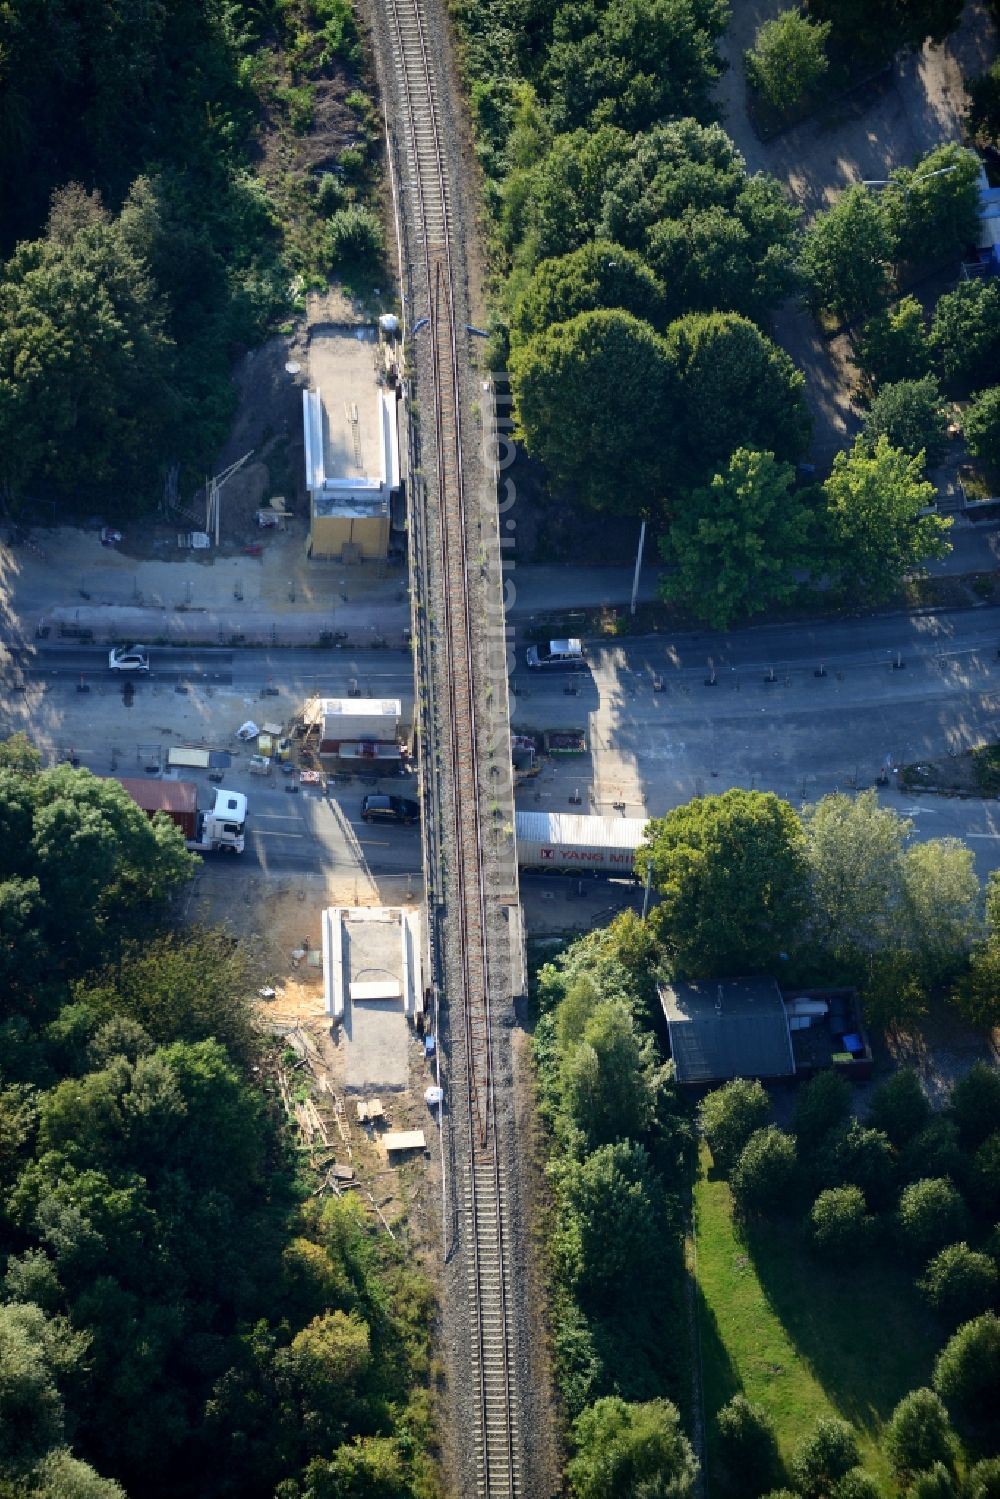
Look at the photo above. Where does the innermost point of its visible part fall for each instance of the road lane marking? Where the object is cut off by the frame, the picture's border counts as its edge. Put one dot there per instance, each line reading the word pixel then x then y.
pixel 275 833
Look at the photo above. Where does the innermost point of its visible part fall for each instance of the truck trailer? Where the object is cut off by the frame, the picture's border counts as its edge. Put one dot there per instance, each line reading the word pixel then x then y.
pixel 563 842
pixel 223 827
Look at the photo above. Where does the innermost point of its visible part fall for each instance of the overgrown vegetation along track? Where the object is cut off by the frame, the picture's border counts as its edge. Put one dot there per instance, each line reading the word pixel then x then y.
pixel 456 735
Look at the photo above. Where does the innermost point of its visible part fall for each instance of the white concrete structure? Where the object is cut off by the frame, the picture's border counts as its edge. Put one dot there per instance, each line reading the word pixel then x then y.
pixel 351 445
pixel 371 956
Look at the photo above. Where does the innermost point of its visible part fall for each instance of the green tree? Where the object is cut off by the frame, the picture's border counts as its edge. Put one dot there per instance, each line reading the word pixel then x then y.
pixel 900 1108
pixel 840 1225
pixel 35 1352
pixel 965 336
pixel 632 64
pixel 934 1151
pixel 730 1115
pixel 190 987
pixel 847 253
pixel 608 1079
pixel 366 1468
pixel 821 1105
pixel 597 276
pixel 918 1434
pixel 856 1484
pixel 982 426
pixel 967 1373
pixel 909 415
pixel 960 1282
pixel 726 365
pixel 936 1483
pixel 933 207
pixel 854 846
pixel 789 60
pixel 610 1243
pixel 931 1215
pixel 830 1451
pixel 975 1104
pixel 553 196
pixel 631 1451
pixel 894 344
pixel 354 237
pixel 735 544
pixel 716 238
pixel 85 361
pixel 583 391
pixel 748 1448
pixel 986 1176
pixel 983 1480
pixel 732 874
pixel 63 1476
pixel 941 906
pixel 875 499
pixel 860 1157
pixel 764 1178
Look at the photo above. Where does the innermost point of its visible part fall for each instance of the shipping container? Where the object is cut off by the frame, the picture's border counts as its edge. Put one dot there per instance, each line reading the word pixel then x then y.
pixel 179 799
pixel 557 841
pixel 190 755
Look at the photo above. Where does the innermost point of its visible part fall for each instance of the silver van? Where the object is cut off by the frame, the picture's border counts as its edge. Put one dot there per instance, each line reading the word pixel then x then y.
pixel 557 655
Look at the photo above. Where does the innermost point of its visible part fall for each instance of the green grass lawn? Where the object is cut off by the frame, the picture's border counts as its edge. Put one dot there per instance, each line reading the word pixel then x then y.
pixel 799 1338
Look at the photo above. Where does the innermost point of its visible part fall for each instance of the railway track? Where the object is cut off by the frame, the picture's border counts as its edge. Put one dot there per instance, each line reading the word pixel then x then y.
pixel 484 1219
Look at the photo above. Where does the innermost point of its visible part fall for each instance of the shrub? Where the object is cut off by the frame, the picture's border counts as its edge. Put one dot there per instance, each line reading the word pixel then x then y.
pixel 839 1222
pixel 826 1455
pixel 983 1480
pixel 910 414
pixel 729 1115
pixel 918 1434
pixel 748 1447
pixel 967 1372
pixel 863 1158
pixel 354 235
pixel 982 426
pixel 934 1152
pixel 856 1484
pixel 820 1105
pixel 899 1107
pixel 931 1215
pixel 965 335
pixel 960 1282
pixel 764 1176
pixel 935 1483
pixel 330 194
pixel 986 1176
pixel 788 60
pixel 975 1104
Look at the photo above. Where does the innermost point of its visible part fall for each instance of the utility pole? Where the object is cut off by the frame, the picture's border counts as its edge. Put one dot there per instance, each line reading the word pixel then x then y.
pixel 638 566
pixel 213 487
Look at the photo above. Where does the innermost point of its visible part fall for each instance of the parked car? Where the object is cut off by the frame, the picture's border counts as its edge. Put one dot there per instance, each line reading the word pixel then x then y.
pixel 556 655
pixel 377 808
pixel 129 658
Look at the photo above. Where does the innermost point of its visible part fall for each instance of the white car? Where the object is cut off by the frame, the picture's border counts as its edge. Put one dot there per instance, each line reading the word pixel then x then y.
pixel 129 658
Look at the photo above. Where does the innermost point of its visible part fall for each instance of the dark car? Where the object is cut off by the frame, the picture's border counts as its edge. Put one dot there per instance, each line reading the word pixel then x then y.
pixel 389 809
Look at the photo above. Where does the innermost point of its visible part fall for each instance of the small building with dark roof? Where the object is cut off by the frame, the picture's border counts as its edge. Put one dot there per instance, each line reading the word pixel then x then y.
pixel 721 1029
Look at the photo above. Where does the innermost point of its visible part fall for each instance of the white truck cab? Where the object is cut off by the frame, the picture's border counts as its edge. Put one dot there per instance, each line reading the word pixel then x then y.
pixel 225 825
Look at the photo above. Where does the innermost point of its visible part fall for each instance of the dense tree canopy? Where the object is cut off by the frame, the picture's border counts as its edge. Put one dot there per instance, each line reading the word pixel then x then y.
pixel 584 391
pixel 724 364
pixel 598 275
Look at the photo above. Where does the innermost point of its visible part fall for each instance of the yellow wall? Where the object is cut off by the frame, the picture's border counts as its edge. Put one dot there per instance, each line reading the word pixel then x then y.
pixel 330 533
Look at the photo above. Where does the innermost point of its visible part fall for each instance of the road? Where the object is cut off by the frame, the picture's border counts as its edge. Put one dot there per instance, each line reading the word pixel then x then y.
pixel 767 721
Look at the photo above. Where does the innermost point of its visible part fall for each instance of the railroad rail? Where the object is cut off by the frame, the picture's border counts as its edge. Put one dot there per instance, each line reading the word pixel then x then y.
pixel 485 1215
